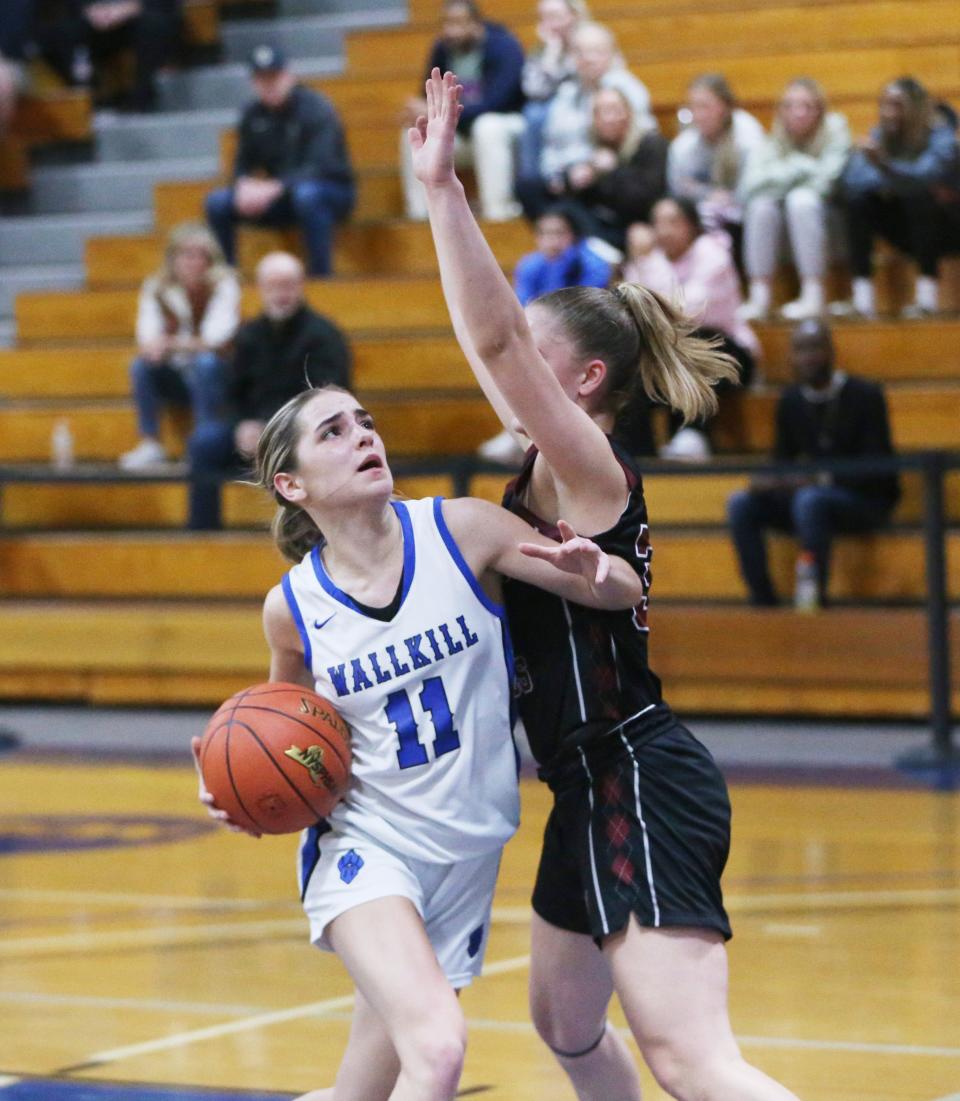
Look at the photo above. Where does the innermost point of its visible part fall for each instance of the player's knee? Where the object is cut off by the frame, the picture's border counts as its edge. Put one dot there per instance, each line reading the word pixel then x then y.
pixel 677 1072
pixel 690 1071
pixel 562 1027
pixel 432 1054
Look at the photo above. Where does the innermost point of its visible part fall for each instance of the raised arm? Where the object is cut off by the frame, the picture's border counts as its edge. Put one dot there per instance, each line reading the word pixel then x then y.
pixel 490 538
pixel 486 310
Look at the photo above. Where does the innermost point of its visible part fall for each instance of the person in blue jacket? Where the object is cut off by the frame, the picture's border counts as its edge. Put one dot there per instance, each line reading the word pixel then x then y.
pixel 488 61
pixel 893 188
pixel 562 258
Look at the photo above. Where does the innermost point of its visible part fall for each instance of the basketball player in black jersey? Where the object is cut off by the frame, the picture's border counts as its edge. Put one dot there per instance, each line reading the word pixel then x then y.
pixel 639 833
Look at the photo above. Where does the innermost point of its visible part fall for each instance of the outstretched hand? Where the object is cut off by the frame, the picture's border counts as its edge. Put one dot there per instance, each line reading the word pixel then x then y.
pixel 575 555
pixel 432 138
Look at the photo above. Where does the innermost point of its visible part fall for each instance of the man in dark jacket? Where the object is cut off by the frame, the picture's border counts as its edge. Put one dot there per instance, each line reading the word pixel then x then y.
pixel 292 165
pixel 488 62
pixel 826 414
pixel 287 348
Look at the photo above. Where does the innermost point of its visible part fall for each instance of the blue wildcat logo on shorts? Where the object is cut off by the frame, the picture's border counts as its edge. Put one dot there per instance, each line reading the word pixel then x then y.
pixel 349 865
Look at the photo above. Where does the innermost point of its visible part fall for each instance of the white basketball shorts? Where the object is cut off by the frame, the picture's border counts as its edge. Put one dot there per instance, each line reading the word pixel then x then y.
pixel 454 900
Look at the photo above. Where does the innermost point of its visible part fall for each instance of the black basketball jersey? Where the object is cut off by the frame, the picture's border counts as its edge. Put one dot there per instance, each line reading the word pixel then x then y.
pixel 582 672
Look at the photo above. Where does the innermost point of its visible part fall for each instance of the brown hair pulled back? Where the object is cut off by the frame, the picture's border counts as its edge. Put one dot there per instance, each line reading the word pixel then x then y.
pixel 293 529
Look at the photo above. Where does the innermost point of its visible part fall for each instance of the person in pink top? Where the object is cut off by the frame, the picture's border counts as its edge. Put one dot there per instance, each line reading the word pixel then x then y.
pixel 677 259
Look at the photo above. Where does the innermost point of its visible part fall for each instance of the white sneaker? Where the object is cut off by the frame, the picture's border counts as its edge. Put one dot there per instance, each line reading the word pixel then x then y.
pixel 752 311
pixel 689 445
pixel 801 309
pixel 146 453
pixel 502 448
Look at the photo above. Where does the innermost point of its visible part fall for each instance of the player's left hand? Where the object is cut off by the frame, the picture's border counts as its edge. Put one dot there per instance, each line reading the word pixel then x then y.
pixel 207 799
pixel 574 555
pixel 432 138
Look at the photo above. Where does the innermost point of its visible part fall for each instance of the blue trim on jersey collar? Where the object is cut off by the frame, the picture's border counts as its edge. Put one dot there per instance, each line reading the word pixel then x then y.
pixel 461 562
pixel 409 564
pixel 298 621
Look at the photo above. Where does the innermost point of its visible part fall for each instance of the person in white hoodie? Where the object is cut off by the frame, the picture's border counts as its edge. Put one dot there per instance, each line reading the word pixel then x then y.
pixel 787 185
pixel 187 316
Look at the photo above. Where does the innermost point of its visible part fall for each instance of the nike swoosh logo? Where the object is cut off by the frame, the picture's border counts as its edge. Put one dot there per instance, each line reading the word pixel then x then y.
pixel 317 625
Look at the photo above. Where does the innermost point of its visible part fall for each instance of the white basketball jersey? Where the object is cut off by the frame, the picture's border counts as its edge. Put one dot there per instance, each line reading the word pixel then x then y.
pixel 427 696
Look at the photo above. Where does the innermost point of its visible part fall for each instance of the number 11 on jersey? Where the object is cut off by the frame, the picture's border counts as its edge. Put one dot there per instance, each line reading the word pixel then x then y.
pixel 433 699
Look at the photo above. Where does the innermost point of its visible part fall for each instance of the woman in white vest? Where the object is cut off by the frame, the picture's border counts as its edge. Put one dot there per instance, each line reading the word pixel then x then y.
pixel 187 315
pixel 392 613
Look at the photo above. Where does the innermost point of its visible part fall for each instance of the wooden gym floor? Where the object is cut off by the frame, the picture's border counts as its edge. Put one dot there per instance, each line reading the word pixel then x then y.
pixel 145 955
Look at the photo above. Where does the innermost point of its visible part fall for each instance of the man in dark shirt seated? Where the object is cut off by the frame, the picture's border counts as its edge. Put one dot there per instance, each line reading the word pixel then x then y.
pixel 287 348
pixel 825 414
pixel 292 166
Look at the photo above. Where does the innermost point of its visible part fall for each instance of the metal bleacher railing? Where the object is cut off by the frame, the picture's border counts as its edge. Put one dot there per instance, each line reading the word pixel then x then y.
pixel 938 761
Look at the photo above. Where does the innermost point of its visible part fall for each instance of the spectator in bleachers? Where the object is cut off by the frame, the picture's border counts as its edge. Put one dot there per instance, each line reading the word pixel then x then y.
pixel 544 70
pixel 288 347
pixel 624 175
pixel 706 159
pixel 678 260
pixel 186 319
pixel 85 43
pixel 567 130
pixel 827 414
pixel 292 165
pixel 488 61
pixel 896 186
pixel 562 259
pixel 787 188
pixel 15 29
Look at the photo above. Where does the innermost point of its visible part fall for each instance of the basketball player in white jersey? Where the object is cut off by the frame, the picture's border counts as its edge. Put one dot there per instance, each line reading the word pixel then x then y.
pixel 391 615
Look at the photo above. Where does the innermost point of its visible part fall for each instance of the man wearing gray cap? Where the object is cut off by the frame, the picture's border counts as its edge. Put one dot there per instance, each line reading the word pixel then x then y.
pixel 292 165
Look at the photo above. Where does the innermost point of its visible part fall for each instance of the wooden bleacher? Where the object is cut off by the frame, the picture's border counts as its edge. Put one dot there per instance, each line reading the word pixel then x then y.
pixel 146 613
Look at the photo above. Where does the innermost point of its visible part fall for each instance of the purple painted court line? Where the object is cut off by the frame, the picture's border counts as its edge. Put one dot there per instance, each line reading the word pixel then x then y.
pixel 47 1089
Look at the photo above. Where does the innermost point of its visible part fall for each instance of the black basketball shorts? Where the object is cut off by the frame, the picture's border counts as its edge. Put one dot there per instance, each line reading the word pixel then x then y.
pixel 640 827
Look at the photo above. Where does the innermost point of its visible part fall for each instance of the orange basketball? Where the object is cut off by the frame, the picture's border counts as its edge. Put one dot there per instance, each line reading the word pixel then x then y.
pixel 276 757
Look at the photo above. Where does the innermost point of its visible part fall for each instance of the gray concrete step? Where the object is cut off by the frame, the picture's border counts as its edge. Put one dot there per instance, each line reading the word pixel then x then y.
pixel 45 277
pixel 327 7
pixel 60 238
pixel 8 332
pixel 164 136
pixel 304 36
pixel 113 186
pixel 217 87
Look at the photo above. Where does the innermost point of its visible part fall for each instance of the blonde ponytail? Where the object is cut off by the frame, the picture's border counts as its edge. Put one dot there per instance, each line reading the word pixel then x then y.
pixel 676 368
pixel 646 342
